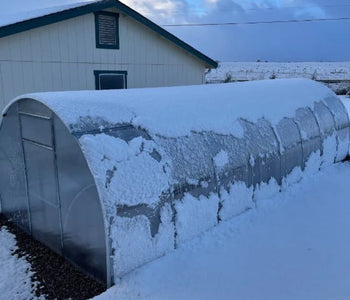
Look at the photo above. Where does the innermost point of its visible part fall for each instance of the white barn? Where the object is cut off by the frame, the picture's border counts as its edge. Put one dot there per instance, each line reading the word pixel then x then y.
pixel 92 45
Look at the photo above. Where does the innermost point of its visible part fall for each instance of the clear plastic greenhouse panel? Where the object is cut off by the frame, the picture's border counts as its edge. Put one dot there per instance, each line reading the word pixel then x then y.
pixel 114 179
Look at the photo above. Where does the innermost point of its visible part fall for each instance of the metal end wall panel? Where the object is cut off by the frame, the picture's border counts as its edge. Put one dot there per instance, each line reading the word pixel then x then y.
pixel 83 228
pixel 50 191
pixel 14 201
pixel 42 195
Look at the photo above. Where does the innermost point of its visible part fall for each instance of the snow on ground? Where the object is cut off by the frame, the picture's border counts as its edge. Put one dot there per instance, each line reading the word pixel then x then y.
pixel 335 75
pixel 15 282
pixel 293 246
pixel 264 70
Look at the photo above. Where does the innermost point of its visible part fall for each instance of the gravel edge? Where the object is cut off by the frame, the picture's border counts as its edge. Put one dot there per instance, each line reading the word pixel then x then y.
pixel 54 277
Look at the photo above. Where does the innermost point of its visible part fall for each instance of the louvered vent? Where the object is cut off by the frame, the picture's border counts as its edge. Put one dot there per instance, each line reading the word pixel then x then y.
pixel 107 33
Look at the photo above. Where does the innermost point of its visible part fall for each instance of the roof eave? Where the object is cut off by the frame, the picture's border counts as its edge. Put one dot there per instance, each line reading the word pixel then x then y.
pixel 54 17
pixel 210 63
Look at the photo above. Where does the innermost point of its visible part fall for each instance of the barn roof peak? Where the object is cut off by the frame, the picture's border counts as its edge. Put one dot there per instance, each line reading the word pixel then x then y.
pixel 30 19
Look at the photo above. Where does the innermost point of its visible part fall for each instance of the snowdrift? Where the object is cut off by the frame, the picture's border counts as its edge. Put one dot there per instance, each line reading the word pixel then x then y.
pixel 114 179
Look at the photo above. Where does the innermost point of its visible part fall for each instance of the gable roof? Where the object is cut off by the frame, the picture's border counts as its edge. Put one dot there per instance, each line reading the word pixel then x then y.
pixel 38 18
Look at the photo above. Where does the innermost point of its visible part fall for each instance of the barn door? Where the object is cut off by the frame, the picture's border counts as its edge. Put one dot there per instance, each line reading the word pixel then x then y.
pixel 41 173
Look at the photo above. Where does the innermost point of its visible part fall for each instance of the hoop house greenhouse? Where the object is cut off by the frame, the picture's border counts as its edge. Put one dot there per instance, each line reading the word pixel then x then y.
pixel 114 179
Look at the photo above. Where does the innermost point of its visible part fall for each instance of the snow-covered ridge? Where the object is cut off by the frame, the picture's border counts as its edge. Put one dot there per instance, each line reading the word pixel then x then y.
pixel 178 111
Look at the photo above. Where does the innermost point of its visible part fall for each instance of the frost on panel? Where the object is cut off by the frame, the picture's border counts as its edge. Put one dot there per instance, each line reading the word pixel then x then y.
pixel 87 124
pixel 134 175
pixel 270 153
pixel 190 156
pixel 341 119
pixel 329 136
pixel 310 132
pixel 291 148
pixel 195 215
pixel 128 172
pixel 133 244
pixel 263 147
pixel 230 157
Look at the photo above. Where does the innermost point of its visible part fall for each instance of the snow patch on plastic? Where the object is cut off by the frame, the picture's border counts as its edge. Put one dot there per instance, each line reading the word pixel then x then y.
pixel 236 200
pixel 133 244
pixel 221 159
pixel 195 215
pixel 266 190
pixel 313 164
pixel 117 164
pixel 329 150
pixel 293 177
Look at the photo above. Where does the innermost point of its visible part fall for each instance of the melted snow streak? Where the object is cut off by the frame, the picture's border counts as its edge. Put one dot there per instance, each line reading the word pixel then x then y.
pixel 294 245
pixel 15 273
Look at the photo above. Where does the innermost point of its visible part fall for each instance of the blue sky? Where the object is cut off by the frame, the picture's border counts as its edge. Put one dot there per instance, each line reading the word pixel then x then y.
pixel 311 41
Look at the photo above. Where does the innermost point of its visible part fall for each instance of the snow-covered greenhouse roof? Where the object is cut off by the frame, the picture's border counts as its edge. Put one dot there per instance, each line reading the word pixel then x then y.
pixel 158 110
pixel 33 16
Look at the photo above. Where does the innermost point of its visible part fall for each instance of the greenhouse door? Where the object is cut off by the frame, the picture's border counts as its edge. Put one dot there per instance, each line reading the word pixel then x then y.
pixel 41 173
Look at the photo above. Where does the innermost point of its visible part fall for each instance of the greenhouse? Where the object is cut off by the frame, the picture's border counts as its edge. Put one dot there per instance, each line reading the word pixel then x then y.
pixel 114 179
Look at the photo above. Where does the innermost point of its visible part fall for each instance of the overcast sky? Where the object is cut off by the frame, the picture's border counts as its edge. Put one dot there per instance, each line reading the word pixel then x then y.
pixel 310 41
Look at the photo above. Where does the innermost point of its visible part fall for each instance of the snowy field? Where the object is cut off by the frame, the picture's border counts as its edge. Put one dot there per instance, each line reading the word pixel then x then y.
pixel 323 71
pixel 264 70
pixel 293 246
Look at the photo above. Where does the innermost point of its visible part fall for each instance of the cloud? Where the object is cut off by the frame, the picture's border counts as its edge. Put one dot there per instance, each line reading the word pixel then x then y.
pixel 274 42
pixel 171 11
pixel 296 41
pixel 176 11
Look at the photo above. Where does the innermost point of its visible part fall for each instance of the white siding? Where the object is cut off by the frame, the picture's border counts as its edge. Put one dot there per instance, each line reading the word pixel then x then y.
pixel 63 56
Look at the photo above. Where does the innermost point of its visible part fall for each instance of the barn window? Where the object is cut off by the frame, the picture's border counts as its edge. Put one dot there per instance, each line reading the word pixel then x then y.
pixel 107 30
pixel 110 80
